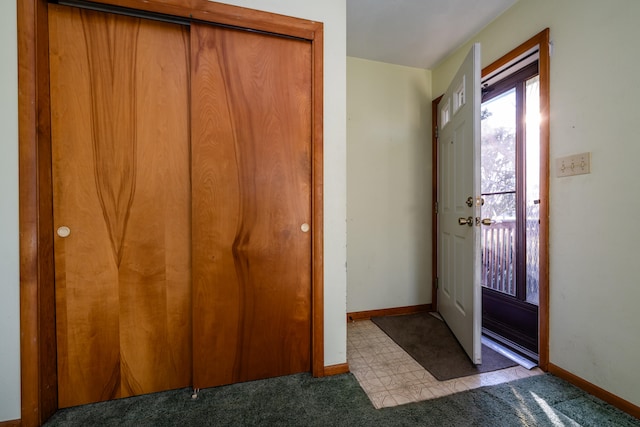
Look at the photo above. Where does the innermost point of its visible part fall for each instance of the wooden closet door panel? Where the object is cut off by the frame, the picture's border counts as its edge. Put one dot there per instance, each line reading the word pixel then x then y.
pixel 251 184
pixel 120 157
pixel 155 275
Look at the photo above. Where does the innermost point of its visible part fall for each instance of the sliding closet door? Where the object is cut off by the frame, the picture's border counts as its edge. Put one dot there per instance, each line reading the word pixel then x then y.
pixel 251 178
pixel 120 141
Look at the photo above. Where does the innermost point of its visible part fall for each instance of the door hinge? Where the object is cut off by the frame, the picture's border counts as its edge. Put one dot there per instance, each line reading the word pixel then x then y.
pixel 435 208
pixel 437 133
pixel 437 282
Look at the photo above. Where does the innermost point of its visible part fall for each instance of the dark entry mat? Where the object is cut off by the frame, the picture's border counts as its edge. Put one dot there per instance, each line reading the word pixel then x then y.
pixel 432 344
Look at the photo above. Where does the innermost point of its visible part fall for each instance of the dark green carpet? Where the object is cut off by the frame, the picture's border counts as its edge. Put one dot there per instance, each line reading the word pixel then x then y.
pixel 300 400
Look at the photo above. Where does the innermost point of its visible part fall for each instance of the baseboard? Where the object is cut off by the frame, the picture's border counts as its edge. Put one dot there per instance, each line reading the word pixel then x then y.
pixel 598 392
pixel 341 368
pixel 366 315
pixel 12 423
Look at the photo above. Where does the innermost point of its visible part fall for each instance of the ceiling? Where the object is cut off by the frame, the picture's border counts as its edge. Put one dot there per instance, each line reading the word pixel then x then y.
pixel 415 33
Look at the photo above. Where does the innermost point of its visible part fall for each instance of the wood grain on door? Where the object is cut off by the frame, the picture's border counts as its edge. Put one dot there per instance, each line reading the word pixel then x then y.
pixel 251 175
pixel 120 148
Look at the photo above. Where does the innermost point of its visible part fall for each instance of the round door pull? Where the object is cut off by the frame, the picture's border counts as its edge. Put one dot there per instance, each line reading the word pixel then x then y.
pixel 466 221
pixel 305 227
pixel 64 231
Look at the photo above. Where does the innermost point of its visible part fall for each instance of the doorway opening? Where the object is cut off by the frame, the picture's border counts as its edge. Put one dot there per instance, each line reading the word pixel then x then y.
pixel 512 63
pixel 510 191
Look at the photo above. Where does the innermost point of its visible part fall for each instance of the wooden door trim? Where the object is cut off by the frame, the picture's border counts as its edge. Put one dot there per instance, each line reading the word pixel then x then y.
pixel 317 205
pixel 434 193
pixel 37 299
pixel 542 41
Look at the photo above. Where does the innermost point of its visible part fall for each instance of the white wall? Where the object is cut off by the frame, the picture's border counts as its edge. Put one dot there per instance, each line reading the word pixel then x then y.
pixel 594 241
pixel 388 185
pixel 333 13
pixel 9 250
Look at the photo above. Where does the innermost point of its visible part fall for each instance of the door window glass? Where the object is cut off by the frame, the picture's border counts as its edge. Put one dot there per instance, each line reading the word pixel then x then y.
pixel 510 184
pixel 498 186
pixel 532 141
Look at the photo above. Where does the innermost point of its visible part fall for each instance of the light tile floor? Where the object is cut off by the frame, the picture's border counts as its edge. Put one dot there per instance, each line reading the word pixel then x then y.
pixel 391 377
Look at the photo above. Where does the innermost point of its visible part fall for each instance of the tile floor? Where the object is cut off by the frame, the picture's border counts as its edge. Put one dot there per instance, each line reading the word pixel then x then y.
pixel 390 377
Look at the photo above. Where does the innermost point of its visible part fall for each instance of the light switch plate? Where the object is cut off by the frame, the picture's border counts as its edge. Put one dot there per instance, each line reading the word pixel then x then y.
pixel 576 164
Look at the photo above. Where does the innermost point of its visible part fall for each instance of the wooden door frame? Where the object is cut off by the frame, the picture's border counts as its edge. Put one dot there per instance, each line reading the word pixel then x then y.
pixel 542 41
pixel 37 275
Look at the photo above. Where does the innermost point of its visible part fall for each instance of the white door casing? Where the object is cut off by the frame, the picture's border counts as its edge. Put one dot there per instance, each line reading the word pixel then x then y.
pixel 459 291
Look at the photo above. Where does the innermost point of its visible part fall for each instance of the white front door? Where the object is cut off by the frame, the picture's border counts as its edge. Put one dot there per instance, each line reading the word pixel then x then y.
pixel 459 292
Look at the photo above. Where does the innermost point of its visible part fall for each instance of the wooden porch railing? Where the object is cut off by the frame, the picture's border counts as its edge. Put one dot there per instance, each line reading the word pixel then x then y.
pixel 499 257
